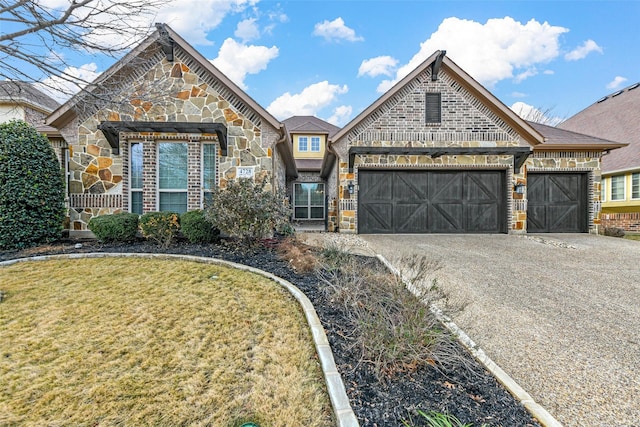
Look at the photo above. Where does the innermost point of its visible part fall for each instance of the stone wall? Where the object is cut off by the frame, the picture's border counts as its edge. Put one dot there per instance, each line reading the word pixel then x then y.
pixel 179 91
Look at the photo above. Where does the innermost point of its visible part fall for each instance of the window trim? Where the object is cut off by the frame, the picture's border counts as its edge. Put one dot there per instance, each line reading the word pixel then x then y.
pixel 315 139
pixel 308 204
pixel 170 190
pixel 624 188
pixel 133 189
pixel 603 189
pixel 635 186
pixel 306 144
pixel 203 191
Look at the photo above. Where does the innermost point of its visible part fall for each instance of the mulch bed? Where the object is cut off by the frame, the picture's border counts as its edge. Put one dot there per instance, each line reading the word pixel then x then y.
pixel 470 393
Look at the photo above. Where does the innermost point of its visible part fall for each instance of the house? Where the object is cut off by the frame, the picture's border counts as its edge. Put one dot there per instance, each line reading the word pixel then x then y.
pixel 437 153
pixel 616 117
pixel 159 130
pixel 309 136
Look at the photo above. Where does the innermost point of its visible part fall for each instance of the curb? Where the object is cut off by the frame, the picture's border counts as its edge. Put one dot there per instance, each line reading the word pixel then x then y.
pixel 344 415
pixel 535 409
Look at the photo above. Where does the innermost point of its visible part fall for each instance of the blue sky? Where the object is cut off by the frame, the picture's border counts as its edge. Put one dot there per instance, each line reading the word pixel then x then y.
pixel 334 58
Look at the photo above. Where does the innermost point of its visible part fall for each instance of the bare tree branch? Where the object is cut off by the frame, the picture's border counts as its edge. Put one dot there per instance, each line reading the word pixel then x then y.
pixel 37 39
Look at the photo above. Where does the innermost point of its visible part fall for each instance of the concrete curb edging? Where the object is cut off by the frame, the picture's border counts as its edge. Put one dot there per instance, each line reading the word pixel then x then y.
pixel 535 409
pixel 344 415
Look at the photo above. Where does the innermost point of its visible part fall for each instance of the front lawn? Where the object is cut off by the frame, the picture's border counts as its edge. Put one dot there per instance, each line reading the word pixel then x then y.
pixel 156 342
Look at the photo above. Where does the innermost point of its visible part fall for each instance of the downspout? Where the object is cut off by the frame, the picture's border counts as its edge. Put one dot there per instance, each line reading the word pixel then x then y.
pixel 334 156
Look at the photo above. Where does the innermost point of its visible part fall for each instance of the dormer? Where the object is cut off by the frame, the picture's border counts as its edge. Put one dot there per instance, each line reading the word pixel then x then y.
pixel 309 138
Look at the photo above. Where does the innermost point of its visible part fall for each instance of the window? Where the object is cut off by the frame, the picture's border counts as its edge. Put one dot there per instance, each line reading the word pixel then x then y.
pixel 603 190
pixel 635 186
pixel 303 143
pixel 433 107
pixel 172 176
pixel 308 201
pixel 617 187
pixel 208 172
pixel 135 174
pixel 315 144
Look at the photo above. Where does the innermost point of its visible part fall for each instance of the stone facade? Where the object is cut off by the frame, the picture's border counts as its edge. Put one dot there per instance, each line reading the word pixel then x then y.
pixel 167 91
pixel 466 122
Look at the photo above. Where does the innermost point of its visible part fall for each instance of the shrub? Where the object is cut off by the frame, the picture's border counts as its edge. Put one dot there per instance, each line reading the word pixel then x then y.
pixel 245 211
pixel 391 326
pixel 614 232
pixel 161 227
pixel 31 188
pixel 197 229
pixel 120 227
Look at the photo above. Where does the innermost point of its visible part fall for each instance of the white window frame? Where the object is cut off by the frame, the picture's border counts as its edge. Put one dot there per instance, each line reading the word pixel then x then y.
pixel 215 166
pixel 308 204
pixel 635 186
pixel 603 190
pixel 170 190
pixel 624 188
pixel 315 140
pixel 131 188
pixel 306 144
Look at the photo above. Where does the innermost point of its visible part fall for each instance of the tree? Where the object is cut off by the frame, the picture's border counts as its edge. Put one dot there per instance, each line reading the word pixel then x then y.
pixel 38 36
pixel 31 188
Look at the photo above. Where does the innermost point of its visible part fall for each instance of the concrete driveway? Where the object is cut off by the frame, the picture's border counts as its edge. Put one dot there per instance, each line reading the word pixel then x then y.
pixel 559 313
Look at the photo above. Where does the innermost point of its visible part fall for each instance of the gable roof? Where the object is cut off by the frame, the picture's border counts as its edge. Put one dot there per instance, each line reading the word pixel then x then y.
pixel 439 60
pixel 615 117
pixel 26 94
pixel 169 40
pixel 311 125
pixel 560 139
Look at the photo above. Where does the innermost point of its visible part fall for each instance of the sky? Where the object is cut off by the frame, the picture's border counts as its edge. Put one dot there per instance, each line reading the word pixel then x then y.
pixel 332 59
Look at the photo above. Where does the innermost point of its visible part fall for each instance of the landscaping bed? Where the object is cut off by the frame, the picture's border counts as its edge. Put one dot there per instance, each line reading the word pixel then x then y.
pixel 464 390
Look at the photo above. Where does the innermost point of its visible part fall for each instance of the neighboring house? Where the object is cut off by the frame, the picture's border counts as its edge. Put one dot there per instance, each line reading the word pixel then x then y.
pixel 438 153
pixel 160 129
pixel 309 137
pixel 616 117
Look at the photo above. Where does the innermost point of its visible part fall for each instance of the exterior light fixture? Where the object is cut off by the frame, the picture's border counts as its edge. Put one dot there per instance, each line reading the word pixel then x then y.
pixel 519 188
pixel 351 187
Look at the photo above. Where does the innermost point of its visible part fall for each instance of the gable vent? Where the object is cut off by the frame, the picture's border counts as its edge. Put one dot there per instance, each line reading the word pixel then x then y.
pixel 433 107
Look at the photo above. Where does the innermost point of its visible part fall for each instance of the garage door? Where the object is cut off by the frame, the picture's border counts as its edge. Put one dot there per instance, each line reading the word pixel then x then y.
pixel 557 203
pixel 431 202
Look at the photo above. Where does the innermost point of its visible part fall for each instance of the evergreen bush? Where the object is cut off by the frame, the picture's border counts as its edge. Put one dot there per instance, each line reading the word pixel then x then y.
pixel 161 227
pixel 120 227
pixel 197 229
pixel 31 188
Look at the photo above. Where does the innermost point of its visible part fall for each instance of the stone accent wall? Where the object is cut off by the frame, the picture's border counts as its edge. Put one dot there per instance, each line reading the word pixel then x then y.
pixel 179 91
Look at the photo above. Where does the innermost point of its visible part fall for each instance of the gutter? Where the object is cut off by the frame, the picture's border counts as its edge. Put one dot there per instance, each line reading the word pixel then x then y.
pixel 286 154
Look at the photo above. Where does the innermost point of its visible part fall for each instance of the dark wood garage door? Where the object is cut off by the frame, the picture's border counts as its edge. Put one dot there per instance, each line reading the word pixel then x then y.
pixel 431 202
pixel 557 203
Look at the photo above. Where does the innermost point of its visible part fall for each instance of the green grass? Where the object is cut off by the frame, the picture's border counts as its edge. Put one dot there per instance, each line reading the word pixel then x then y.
pixel 153 342
pixel 632 236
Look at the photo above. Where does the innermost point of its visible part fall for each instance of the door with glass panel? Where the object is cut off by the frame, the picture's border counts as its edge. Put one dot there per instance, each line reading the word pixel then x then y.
pixel 308 201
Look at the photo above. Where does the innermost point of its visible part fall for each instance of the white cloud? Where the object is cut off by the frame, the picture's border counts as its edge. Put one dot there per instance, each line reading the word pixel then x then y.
pixel 615 83
pixel 193 19
pixel 533 114
pixel 341 115
pixel 518 95
pixel 525 75
pixel 308 102
pixel 548 72
pixel 380 65
pixel 236 60
pixel 335 31
pixel 507 46
pixel 247 29
pixel 582 51
pixel 60 89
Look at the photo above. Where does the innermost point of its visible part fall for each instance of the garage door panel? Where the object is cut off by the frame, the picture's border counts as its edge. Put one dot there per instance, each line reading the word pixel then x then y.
pixel 557 203
pixel 377 216
pixel 410 217
pixel 442 201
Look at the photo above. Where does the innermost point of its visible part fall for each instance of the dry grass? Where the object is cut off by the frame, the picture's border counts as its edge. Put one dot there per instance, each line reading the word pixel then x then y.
pixel 153 342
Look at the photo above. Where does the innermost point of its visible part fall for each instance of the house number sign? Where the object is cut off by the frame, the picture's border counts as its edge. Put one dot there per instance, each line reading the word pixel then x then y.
pixel 245 172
